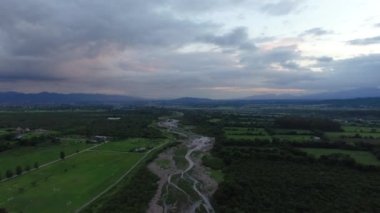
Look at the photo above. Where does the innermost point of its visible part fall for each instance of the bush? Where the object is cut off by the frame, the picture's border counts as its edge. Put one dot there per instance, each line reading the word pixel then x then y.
pixel 9 173
pixel 212 162
pixel 18 170
pixel 62 155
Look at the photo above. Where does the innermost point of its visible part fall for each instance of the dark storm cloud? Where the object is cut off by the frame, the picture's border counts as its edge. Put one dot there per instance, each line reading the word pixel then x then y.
pixel 365 41
pixel 33 28
pixel 281 7
pixel 278 66
pixel 237 38
pixel 315 32
pixel 279 55
pixel 149 48
pixel 357 72
pixel 30 69
pixel 63 31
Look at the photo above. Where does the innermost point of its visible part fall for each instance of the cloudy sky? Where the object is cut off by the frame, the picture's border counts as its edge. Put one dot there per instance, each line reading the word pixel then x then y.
pixel 198 48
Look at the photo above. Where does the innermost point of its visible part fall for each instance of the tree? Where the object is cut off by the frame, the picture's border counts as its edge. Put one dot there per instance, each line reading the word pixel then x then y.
pixel 8 173
pixel 62 155
pixel 18 170
pixel 27 168
pixel 36 165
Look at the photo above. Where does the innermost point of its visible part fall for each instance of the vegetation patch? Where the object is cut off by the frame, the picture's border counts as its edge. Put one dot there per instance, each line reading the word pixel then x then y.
pixel 361 157
pixel 260 185
pixel 163 163
pixel 130 145
pixel 28 156
pixel 65 185
pixel 133 195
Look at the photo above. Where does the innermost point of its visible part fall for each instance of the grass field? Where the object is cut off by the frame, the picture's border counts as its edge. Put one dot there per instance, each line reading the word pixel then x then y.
pixel 355 132
pixel 164 163
pixel 129 144
pixel 66 185
pixel 23 156
pixel 249 137
pixel 214 120
pixel 179 159
pixel 361 129
pixel 341 135
pixel 217 175
pixel 242 133
pixel 296 138
pixel 3 132
pixel 361 157
pixel 292 131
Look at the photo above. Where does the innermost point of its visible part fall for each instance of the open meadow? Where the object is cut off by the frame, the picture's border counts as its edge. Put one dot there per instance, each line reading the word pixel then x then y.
pixel 28 156
pixel 69 183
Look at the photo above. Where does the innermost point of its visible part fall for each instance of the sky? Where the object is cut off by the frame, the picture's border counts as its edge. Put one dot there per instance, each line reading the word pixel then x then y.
pixel 189 48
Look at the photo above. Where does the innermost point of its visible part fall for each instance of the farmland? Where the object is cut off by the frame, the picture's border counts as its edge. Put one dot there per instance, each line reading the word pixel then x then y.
pixel 362 157
pixel 252 134
pixel 28 156
pixel 78 167
pixel 69 183
pixel 129 145
pixel 272 154
pixel 65 185
pixel 297 161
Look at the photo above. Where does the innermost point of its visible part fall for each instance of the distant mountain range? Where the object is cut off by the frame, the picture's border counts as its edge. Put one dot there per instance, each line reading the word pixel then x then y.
pixel 346 94
pixel 45 98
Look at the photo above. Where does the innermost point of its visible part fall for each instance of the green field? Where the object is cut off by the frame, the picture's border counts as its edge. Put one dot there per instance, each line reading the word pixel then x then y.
pixel 361 157
pixel 242 133
pixel 217 175
pixel 66 185
pixel 355 132
pixel 292 131
pixel 296 138
pixel 28 155
pixel 215 120
pixel 249 137
pixel 341 135
pixel 361 129
pixel 129 144
pixel 3 132
pixel 163 163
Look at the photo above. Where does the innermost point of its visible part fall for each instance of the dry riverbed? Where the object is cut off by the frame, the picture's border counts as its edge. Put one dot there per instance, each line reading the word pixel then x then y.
pixel 184 184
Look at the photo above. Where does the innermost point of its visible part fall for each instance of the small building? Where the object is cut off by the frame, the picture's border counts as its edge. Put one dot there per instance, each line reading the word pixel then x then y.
pixel 98 139
pixel 140 149
pixel 113 118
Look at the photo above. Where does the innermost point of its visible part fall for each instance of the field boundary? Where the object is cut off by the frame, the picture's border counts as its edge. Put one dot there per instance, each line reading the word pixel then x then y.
pixel 51 162
pixel 120 179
